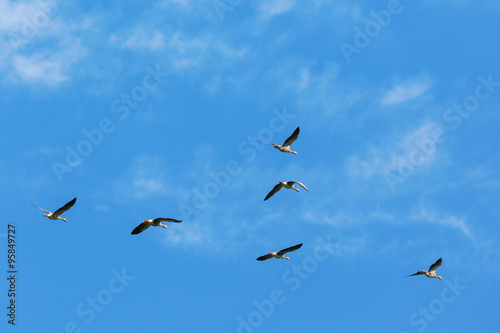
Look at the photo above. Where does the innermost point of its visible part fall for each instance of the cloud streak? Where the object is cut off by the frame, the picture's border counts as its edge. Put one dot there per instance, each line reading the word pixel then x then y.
pixel 405 92
pixel 276 7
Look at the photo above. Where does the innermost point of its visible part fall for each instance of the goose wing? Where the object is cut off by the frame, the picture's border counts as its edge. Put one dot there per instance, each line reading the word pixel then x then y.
pixel 163 219
pixel 435 265
pixel 46 211
pixel 299 183
pixel 417 273
pixel 292 138
pixel 265 257
pixel 290 249
pixel 275 189
pixel 140 228
pixel 64 208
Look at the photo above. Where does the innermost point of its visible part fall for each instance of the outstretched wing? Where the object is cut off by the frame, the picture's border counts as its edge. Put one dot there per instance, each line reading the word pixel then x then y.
pixel 140 228
pixel 262 258
pixel 299 183
pixel 163 219
pixel 435 265
pixel 46 211
pixel 64 208
pixel 275 189
pixel 292 138
pixel 290 249
pixel 417 273
pixel 267 143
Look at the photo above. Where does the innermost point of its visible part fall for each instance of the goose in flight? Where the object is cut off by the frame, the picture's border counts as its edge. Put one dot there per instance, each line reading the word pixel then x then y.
pixel 432 270
pixel 280 254
pixel 155 223
pixel 289 184
pixel 285 148
pixel 57 214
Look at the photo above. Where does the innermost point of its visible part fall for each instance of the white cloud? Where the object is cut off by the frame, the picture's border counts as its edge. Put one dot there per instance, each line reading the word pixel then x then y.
pixel 449 220
pixel 147 175
pixel 340 219
pixel 405 91
pixel 276 7
pixel 147 185
pixel 46 67
pixel 142 40
pixel 189 234
pixel 317 90
pixel 183 52
pixel 305 78
pixel 182 3
pixel 13 15
pixel 416 149
pixel 39 68
pixel 24 23
pixel 456 223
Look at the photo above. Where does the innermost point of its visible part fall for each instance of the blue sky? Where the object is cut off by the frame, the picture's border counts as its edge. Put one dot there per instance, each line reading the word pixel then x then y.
pixel 154 109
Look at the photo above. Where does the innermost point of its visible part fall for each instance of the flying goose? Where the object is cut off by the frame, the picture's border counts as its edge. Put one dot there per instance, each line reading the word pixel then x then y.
pixel 57 214
pixel 289 185
pixel 432 270
pixel 285 148
pixel 155 223
pixel 280 254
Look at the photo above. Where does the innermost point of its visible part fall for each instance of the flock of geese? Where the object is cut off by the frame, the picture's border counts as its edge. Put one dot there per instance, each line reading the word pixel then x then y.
pixel 285 148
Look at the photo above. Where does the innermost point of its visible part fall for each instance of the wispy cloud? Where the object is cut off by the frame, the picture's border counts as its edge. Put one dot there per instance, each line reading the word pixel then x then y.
pixel 405 91
pixel 22 25
pixel 425 215
pixel 46 67
pixel 189 235
pixel 14 14
pixel 182 3
pixel 142 40
pixel 145 176
pixel 383 159
pixel 39 68
pixel 319 90
pixel 276 7
pixel 183 52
